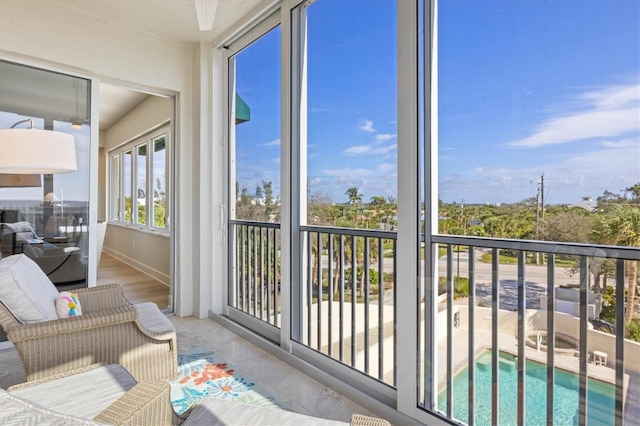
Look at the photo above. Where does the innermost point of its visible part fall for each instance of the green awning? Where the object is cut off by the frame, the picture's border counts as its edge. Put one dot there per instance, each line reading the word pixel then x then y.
pixel 243 112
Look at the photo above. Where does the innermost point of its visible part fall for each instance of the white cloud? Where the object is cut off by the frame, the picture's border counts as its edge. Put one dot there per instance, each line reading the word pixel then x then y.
pixel 357 150
pixel 366 126
pixel 624 143
pixel 372 149
pixel 612 165
pixel 379 180
pixel 387 167
pixel 490 170
pixel 613 97
pixel 610 112
pixel 383 137
pixel 275 142
pixel 346 172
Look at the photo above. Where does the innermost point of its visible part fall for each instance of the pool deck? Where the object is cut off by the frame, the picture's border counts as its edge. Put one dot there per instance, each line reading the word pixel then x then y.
pixel 508 343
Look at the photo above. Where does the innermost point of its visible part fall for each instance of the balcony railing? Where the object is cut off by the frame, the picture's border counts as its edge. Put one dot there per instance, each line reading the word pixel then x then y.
pixel 255 265
pixel 350 297
pixel 505 336
pixel 501 311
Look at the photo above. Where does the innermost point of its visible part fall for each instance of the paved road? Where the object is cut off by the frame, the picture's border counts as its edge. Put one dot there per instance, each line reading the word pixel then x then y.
pixel 535 278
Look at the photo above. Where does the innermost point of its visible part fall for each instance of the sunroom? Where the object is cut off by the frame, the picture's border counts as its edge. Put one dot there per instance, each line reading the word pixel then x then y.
pixel 365 188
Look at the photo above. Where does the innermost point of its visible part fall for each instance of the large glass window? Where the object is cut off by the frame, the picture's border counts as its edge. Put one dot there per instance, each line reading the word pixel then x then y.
pixel 531 108
pixel 538 138
pixel 257 129
pixel 127 190
pixel 254 175
pixel 351 113
pixel 141 184
pixel 348 143
pixel 159 181
pixel 46 217
pixel 114 176
pixel 508 114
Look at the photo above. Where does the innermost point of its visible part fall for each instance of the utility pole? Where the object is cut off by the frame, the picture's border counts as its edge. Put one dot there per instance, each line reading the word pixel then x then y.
pixel 542 195
pixel 538 223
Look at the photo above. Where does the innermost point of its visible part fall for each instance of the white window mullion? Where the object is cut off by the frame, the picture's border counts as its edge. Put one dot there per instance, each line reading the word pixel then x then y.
pixel 288 214
pixel 408 258
pixel 150 199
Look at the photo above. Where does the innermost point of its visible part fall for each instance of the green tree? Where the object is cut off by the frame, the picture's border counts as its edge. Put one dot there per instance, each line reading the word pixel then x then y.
pixel 566 226
pixel 621 226
pixel 355 197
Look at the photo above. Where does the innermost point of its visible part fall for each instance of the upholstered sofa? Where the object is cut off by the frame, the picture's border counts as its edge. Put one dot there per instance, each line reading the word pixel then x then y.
pixel 102 326
pixel 14 235
pixel 64 264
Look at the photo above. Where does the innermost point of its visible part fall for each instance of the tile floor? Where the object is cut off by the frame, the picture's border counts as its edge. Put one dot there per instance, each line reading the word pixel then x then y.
pixel 289 387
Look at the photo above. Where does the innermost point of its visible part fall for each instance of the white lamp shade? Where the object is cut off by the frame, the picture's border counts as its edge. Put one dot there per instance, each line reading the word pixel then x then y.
pixel 35 151
pixel 51 198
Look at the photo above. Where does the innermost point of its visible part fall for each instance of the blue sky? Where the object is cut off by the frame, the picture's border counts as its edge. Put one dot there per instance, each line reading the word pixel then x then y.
pixel 532 88
pixel 526 88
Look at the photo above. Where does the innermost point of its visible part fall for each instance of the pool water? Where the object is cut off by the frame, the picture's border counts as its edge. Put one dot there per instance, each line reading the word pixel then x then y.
pixel 600 395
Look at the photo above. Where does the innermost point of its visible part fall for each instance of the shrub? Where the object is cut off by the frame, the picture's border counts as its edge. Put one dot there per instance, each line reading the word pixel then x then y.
pixel 633 330
pixel 460 287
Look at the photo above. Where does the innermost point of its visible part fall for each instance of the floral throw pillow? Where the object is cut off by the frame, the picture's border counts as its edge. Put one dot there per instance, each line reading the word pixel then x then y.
pixel 68 305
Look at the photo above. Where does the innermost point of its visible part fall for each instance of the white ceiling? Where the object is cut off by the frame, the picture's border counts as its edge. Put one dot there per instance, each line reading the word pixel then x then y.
pixel 116 102
pixel 174 20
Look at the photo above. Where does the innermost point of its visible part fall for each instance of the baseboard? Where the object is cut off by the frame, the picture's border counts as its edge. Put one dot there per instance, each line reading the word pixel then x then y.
pixel 154 273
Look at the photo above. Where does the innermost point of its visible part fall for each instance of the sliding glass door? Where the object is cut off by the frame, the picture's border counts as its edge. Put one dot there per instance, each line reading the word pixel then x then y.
pixel 253 69
pixel 46 217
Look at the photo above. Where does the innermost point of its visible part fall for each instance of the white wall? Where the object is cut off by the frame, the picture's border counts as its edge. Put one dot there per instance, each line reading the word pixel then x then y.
pixel 42 34
pixel 148 252
pixel 150 113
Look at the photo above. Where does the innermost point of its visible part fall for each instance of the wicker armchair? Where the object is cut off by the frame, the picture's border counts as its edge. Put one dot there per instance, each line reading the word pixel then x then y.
pixel 98 394
pixel 110 330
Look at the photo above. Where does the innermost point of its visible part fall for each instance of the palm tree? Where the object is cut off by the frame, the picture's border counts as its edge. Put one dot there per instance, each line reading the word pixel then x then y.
pixel 621 226
pixel 355 197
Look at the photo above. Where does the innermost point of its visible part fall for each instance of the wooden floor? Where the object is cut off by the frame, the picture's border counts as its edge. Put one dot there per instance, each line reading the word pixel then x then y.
pixel 138 287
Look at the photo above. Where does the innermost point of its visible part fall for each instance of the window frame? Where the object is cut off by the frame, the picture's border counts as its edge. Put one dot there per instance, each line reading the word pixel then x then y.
pixel 118 183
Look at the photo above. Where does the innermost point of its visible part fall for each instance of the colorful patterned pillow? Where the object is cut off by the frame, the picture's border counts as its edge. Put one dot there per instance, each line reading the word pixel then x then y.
pixel 68 305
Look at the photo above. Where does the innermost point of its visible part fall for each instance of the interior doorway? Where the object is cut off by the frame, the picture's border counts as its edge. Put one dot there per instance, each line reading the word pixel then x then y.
pixel 135 192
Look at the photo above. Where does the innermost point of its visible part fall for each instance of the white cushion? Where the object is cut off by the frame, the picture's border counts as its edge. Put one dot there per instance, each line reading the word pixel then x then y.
pixel 152 318
pixel 18 411
pixel 26 291
pixel 84 394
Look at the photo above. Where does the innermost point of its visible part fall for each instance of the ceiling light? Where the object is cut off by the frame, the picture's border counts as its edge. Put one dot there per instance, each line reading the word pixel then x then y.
pixel 35 151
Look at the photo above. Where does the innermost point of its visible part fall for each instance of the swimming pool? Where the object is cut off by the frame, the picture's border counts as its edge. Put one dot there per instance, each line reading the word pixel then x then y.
pixel 600 395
